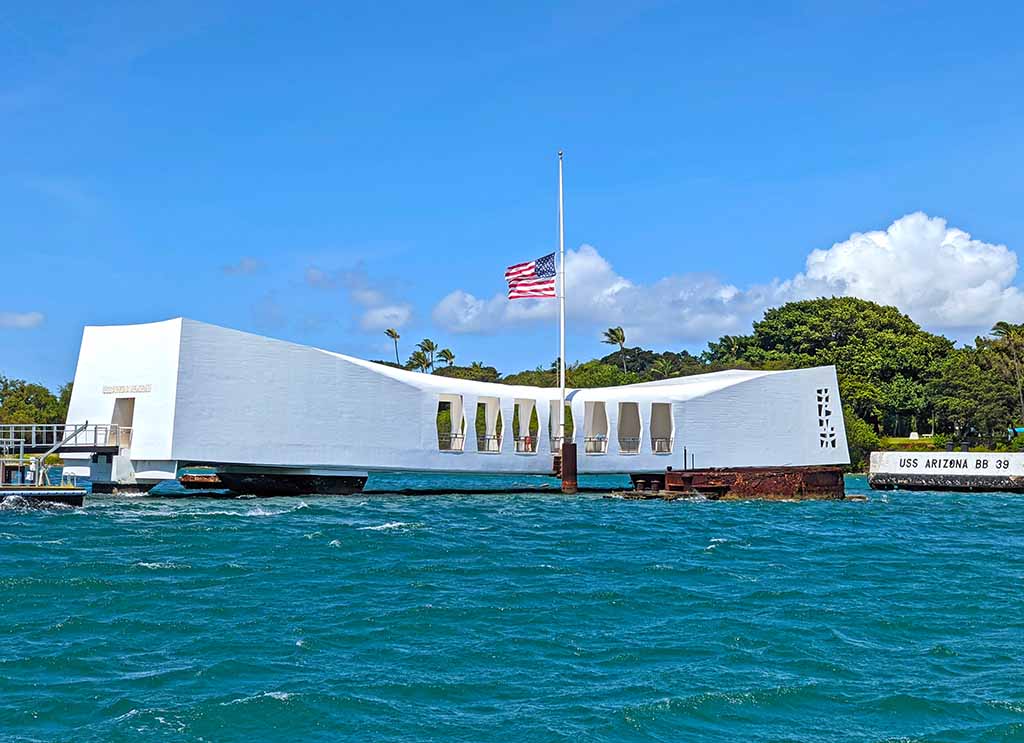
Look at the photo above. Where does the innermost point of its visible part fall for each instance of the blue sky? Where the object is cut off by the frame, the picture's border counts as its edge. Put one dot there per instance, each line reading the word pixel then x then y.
pixel 312 171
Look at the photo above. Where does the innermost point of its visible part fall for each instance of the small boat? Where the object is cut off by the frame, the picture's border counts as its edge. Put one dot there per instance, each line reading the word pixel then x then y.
pixel 18 485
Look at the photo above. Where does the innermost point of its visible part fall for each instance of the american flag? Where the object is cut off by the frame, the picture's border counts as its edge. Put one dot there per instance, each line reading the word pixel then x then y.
pixel 532 279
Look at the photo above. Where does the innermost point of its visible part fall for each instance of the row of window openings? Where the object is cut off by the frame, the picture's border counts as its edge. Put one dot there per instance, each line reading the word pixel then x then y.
pixel 489 427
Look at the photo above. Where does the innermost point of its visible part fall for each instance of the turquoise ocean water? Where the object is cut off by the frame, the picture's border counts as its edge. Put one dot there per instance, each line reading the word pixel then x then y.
pixel 513 617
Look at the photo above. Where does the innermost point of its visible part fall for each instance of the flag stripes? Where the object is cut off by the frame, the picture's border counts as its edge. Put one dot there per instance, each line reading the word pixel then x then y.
pixel 533 279
pixel 527 288
pixel 520 270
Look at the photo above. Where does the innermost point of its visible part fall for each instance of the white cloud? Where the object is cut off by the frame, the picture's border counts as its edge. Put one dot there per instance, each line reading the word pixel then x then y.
pixel 246 266
pixel 938 275
pixel 388 316
pixel 379 313
pixel 320 279
pixel 21 320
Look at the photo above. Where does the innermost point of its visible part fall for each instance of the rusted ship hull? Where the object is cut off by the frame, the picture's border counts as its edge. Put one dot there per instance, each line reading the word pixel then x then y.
pixel 746 483
pixel 270 485
pixel 209 481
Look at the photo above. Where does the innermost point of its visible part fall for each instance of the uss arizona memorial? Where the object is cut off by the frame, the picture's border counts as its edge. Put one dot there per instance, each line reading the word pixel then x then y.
pixel 187 393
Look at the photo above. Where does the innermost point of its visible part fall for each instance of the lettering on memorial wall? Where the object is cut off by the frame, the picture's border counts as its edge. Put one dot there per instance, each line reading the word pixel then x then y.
pixel 826 425
pixel 126 389
pixel 954 463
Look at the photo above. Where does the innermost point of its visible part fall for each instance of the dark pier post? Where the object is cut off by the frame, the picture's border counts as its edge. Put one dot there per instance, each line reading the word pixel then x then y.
pixel 569 484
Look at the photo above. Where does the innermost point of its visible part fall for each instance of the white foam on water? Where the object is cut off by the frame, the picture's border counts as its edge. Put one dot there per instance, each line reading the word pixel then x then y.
pixel 334 543
pixel 280 696
pixel 162 566
pixel 388 526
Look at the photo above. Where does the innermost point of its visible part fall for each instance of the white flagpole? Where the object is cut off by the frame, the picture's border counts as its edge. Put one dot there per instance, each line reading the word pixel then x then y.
pixel 561 302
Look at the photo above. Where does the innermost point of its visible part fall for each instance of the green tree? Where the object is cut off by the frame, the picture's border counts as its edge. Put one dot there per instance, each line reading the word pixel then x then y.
pixel 904 399
pixel 969 399
pixel 446 355
pixel 418 360
pixel 860 438
pixel 24 402
pixel 617 337
pixel 429 348
pixel 595 374
pixel 728 348
pixel 1011 335
pixel 393 335
pixel 879 353
pixel 663 369
pixel 476 372
pixel 539 377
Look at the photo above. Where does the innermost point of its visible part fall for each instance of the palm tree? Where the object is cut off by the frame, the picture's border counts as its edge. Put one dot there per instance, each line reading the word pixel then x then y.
pixel 418 360
pixel 428 347
pixel 393 335
pixel 447 356
pixel 663 368
pixel 1012 334
pixel 617 337
pixel 731 346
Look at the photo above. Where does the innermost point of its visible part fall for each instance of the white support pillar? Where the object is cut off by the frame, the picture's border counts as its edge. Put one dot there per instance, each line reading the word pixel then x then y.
pixel 543 421
pixel 612 411
pixel 470 404
pixel 507 407
pixel 645 427
pixel 579 421
pixel 457 416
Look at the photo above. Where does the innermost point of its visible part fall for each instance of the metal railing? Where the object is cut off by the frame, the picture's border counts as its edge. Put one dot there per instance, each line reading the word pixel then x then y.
pixel 629 444
pixel 99 435
pixel 491 444
pixel 526 444
pixel 595 445
pixel 451 441
pixel 661 445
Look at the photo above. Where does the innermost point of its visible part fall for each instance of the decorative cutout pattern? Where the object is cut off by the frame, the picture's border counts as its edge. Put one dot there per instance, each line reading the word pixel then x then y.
pixel 826 427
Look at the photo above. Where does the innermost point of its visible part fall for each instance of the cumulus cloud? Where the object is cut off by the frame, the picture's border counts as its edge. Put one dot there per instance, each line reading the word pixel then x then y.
pixel 378 313
pixel 21 320
pixel 246 266
pixel 937 274
pixel 387 316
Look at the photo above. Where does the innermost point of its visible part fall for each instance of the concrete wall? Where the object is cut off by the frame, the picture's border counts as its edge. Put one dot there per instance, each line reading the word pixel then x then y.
pixel 125 361
pixel 769 420
pixel 223 396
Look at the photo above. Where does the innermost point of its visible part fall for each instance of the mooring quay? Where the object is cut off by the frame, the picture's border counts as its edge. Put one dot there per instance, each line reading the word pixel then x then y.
pixel 957 471
pixel 270 417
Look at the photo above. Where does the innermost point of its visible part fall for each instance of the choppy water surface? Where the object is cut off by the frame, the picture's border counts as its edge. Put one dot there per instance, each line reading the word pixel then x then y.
pixel 524 618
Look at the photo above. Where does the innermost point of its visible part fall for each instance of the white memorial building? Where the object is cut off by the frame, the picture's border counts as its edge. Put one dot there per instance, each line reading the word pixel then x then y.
pixel 197 394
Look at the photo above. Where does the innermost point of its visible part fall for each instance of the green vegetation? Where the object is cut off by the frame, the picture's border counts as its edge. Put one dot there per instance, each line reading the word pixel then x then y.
pixel 24 402
pixel 617 337
pixel 894 377
pixel 393 335
pixel 860 438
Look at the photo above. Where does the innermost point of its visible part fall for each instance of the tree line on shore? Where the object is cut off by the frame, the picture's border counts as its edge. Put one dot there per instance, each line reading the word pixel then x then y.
pixel 894 377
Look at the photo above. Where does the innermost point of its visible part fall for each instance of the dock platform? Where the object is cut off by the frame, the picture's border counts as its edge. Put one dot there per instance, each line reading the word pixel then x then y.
pixel 37 495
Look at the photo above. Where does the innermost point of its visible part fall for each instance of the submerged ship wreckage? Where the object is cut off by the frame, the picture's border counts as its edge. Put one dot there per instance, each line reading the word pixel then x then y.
pixel 268 417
